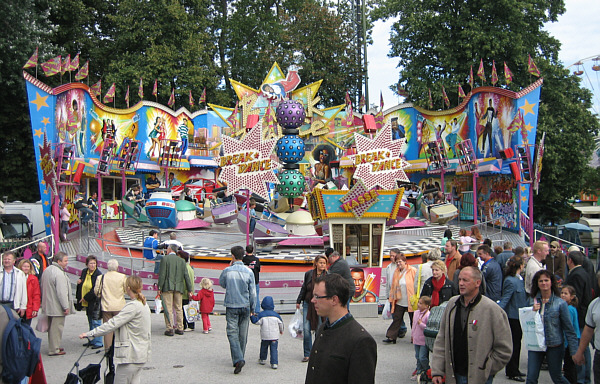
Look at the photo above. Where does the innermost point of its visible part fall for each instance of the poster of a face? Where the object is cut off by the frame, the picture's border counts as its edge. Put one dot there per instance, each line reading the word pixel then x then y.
pixel 366 284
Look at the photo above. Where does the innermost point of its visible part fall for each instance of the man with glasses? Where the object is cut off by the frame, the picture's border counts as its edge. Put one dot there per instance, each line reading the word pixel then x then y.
pixel 555 260
pixel 343 350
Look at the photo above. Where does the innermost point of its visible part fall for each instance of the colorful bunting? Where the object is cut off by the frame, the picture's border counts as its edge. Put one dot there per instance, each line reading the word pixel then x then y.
pixel 471 78
pixel 171 101
pixel 52 66
pixel 508 76
pixel 96 88
pixel 127 96
pixel 202 97
pixel 430 99
pixel 32 62
pixel 83 72
pixel 110 95
pixel 481 72
pixel 461 93
pixel 155 89
pixel 494 73
pixel 74 63
pixel 141 89
pixel 66 65
pixel 531 67
pixel 191 99
pixel 445 97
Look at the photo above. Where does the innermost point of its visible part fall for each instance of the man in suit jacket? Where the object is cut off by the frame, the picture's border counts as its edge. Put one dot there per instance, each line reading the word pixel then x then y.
pixel 171 280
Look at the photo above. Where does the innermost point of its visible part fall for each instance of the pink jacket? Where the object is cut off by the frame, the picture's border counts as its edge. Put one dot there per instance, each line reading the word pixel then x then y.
pixel 418 327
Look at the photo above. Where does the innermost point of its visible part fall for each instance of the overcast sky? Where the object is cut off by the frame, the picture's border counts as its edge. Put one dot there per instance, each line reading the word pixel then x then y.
pixel 578 30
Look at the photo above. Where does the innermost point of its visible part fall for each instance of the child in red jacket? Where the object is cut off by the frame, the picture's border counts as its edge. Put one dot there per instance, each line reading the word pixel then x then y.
pixel 206 297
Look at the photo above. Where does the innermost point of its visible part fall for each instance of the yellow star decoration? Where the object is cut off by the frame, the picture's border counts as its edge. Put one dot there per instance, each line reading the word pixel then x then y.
pixel 47 214
pixel 43 182
pixel 40 101
pixel 38 133
pixel 45 121
pixel 46 202
pixel 528 108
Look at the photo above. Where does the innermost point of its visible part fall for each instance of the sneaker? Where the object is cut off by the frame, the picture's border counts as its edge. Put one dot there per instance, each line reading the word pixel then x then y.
pixel 206 332
pixel 413 378
pixel 188 330
pixel 262 362
pixel 209 329
pixel 274 366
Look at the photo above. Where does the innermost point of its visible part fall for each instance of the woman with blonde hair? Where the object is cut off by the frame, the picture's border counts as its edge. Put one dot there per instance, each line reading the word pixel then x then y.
pixel 439 287
pixel 132 328
pixel 34 296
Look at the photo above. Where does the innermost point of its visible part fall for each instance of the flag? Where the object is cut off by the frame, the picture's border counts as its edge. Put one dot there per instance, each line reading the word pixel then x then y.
pixel 74 63
pixel 362 102
pixel 155 89
pixel 171 101
pixel 191 99
pixel 233 118
pixel 531 67
pixel 471 78
pixel 481 72
pixel 127 96
pixel 517 123
pixel 430 99
pixel 110 95
pixel 202 97
pixel 52 66
pixel 507 74
pixel 445 97
pixel 66 65
pixel 347 99
pixel 349 122
pixel 83 72
pixel 461 93
pixel 96 88
pixel 141 89
pixel 494 73
pixel 32 62
pixel 380 100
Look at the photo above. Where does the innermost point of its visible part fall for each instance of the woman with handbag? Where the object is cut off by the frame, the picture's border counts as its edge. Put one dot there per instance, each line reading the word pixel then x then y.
pixel 557 325
pixel 86 298
pixel 132 329
pixel 402 288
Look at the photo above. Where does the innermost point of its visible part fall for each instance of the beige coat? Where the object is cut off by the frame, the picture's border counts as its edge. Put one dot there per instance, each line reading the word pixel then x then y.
pixel 57 295
pixel 132 328
pixel 113 290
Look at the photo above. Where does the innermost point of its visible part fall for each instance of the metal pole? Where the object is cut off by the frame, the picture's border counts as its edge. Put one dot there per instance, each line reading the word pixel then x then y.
pixel 99 203
pixel 247 217
pixel 123 192
pixel 474 198
pixel 56 224
pixel 366 68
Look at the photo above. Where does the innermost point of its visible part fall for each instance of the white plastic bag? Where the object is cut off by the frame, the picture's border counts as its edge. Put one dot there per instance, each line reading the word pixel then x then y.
pixel 387 312
pixel 296 325
pixel 158 305
pixel 533 329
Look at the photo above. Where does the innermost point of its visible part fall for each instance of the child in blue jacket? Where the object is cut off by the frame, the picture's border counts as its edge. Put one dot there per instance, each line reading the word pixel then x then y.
pixel 271 326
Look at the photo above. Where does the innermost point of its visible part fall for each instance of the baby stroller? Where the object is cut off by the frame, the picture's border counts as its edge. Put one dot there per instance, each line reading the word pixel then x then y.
pixel 92 373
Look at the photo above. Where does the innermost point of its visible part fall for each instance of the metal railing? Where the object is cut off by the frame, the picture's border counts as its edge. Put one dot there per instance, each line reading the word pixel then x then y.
pixel 32 246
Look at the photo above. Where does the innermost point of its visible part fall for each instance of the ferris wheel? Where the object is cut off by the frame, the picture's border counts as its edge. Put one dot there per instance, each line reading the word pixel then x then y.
pixel 589 70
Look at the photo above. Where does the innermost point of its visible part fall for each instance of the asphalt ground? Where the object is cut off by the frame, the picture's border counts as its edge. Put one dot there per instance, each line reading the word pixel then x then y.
pixel 204 358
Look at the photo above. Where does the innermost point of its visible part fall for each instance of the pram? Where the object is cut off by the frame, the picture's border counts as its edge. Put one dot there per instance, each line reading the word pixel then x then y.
pixel 92 373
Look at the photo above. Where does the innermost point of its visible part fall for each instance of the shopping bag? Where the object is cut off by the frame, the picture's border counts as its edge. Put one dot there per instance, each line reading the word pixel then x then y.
pixel 387 312
pixel 296 325
pixel 192 311
pixel 533 329
pixel 158 305
pixel 42 323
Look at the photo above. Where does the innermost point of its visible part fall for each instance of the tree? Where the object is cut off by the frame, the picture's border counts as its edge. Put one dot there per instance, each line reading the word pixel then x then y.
pixel 438 41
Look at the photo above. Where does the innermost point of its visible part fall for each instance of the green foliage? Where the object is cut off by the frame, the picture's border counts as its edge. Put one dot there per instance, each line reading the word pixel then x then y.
pixel 437 41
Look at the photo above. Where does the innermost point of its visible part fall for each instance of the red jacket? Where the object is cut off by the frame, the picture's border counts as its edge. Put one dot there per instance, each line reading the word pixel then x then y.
pixel 206 298
pixel 34 296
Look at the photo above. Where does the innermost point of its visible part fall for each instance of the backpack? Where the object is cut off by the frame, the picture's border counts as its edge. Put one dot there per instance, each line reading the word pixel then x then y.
pixel 433 324
pixel 20 349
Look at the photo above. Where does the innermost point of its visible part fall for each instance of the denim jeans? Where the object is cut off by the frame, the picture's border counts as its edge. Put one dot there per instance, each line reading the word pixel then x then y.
pixel 157 263
pixel 465 380
pixel 584 375
pixel 264 347
pixel 257 307
pixel 95 324
pixel 422 356
pixel 307 344
pixel 237 331
pixel 554 356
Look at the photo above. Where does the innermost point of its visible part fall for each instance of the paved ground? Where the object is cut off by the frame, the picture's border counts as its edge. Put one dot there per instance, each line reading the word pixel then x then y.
pixel 199 358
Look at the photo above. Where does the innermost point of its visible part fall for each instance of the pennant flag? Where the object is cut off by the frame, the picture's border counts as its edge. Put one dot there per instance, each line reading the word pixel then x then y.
pixel 66 65
pixel 471 78
pixel 32 62
pixel 380 100
pixel 349 122
pixel 481 72
pixel 379 114
pixel 127 96
pixel 172 98
pixel 531 67
pixel 74 63
pixel 96 88
pixel 362 102
pixel 445 97
pixel 347 99
pixel 202 97
pixel 461 93
pixel 141 89
pixel 83 72
pixel 155 89
pixel 494 73
pixel 507 74
pixel 517 123
pixel 110 95
pixel 191 99
pixel 430 99
pixel 52 66
pixel 233 118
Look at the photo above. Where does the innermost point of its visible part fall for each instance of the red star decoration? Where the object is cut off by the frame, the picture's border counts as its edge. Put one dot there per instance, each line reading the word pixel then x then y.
pixel 234 173
pixel 384 151
pixel 48 165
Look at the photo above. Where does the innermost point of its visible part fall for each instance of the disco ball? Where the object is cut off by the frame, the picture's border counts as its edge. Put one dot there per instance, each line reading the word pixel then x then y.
pixel 290 149
pixel 291 183
pixel 290 114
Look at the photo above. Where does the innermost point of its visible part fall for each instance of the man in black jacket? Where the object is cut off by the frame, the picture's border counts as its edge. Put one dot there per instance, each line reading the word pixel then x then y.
pixel 253 263
pixel 340 266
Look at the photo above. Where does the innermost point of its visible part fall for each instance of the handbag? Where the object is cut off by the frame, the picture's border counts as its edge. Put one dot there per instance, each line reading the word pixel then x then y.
pixel 414 298
pixel 97 304
pixel 533 329
pixel 42 323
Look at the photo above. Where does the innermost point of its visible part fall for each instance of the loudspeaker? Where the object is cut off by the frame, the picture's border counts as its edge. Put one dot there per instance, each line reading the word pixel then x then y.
pixel 369 123
pixel 514 168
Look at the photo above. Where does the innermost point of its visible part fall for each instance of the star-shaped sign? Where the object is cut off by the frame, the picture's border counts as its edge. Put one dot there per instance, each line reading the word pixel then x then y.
pixel 48 165
pixel 40 101
pixel 379 161
pixel 359 199
pixel 247 163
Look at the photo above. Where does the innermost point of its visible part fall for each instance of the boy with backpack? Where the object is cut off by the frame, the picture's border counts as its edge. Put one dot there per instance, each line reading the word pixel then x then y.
pixel 271 326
